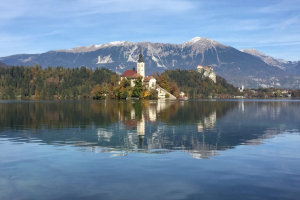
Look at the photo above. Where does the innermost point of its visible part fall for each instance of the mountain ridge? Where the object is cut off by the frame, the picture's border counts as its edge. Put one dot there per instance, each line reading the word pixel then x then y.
pixel 249 68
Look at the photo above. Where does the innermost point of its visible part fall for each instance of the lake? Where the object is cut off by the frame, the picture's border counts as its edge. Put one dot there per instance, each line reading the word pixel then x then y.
pixel 131 150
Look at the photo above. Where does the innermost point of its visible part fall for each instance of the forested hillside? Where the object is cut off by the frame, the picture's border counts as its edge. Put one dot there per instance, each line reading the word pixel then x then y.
pixel 64 83
pixel 195 84
pixel 51 83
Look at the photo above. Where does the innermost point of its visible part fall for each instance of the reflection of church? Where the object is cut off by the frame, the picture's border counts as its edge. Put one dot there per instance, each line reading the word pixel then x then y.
pixel 145 133
pixel 208 122
pixel 138 124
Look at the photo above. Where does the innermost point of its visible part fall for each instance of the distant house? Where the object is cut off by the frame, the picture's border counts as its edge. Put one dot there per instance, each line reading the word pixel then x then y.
pixel 181 94
pixel 242 88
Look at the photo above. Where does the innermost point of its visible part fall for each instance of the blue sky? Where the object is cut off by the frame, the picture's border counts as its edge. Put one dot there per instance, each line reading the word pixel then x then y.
pixel 35 26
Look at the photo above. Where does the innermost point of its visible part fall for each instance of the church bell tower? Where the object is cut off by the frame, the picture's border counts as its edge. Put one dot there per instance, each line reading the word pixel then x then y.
pixel 140 66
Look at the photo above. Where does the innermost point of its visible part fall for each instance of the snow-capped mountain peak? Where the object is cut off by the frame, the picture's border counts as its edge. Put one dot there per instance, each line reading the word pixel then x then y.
pixel 115 43
pixel 202 42
pixel 195 39
pixel 94 47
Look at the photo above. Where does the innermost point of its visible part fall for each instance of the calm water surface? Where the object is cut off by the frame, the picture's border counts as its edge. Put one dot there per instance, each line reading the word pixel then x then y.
pixel 150 150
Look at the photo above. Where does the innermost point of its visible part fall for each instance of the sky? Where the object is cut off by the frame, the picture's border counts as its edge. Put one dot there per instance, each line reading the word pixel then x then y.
pixel 36 26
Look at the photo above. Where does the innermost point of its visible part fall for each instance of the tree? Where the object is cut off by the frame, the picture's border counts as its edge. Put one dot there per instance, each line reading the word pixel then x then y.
pixel 162 81
pixel 153 94
pixel 137 89
pixel 96 92
pixel 125 83
pixel 174 89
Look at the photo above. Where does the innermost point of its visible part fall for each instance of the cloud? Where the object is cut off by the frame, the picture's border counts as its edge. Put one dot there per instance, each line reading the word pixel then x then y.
pixel 288 22
pixel 53 24
pixel 254 25
pixel 281 6
pixel 71 8
pixel 9 10
pixel 119 6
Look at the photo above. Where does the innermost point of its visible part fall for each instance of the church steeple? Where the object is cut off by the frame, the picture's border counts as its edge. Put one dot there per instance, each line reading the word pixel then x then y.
pixel 140 57
pixel 140 66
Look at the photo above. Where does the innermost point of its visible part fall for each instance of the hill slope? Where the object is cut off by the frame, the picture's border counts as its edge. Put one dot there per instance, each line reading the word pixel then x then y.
pixel 195 85
pixel 3 65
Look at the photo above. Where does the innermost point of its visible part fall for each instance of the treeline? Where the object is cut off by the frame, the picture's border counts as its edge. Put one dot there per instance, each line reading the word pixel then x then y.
pixel 271 93
pixel 124 91
pixel 64 83
pixel 34 82
pixel 195 84
pixel 52 82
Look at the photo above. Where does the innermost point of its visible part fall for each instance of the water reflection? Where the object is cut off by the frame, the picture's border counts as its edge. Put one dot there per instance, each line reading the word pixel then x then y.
pixel 201 128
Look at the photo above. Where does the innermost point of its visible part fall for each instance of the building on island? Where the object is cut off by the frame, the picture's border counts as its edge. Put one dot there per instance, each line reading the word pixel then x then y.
pixel 207 71
pixel 162 93
pixel 131 75
pixel 148 81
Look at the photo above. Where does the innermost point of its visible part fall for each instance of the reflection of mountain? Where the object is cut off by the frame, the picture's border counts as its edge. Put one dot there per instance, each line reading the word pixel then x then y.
pixel 198 127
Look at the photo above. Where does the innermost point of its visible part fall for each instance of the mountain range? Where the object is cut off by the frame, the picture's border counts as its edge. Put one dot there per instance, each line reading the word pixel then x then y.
pixel 247 67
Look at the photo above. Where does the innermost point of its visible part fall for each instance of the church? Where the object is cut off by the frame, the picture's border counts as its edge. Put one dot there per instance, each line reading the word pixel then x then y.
pixel 148 81
pixel 132 75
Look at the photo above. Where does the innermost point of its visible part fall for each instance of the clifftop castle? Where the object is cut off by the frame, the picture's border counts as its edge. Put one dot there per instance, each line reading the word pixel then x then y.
pixel 207 71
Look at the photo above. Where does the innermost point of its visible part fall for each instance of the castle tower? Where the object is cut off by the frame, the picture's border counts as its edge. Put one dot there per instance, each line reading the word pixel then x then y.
pixel 140 66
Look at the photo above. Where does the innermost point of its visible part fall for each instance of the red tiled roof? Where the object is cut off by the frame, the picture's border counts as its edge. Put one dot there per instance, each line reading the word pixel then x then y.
pixel 148 78
pixel 128 73
pixel 137 75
